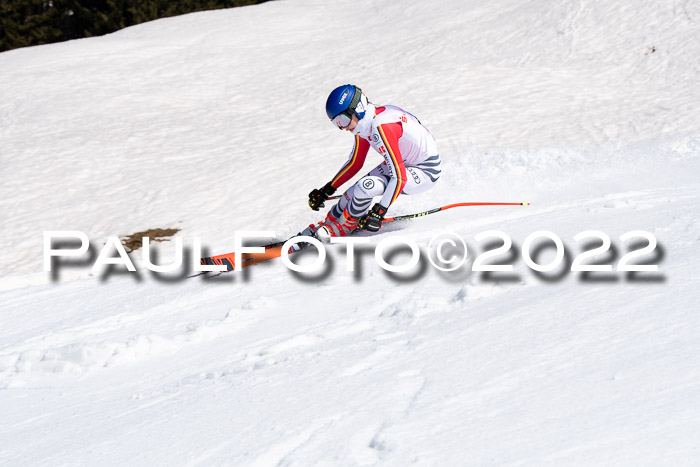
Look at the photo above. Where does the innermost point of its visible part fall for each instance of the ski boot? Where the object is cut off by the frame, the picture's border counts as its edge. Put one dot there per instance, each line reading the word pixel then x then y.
pixel 332 227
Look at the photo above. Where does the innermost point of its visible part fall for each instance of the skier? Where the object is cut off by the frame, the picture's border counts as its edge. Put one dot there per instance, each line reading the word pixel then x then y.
pixel 411 162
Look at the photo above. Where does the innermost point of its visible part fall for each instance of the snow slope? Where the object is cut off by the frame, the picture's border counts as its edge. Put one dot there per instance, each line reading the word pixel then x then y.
pixel 213 122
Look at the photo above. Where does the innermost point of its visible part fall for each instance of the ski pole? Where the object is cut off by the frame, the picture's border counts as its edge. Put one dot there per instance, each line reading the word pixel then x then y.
pixel 449 206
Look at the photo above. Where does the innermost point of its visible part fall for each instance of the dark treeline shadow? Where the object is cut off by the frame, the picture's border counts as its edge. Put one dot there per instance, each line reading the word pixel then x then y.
pixel 25 23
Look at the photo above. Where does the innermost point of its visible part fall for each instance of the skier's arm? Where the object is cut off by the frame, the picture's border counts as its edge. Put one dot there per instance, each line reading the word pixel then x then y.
pixel 386 138
pixel 354 163
pixel 390 134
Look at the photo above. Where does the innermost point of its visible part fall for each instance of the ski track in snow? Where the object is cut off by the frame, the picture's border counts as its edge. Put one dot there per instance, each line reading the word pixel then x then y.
pixel 588 110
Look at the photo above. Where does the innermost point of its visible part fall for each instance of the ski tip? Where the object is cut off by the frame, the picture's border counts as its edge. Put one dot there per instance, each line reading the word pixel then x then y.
pixel 525 203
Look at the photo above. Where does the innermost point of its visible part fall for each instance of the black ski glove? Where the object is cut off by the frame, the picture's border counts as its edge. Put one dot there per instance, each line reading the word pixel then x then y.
pixel 318 196
pixel 372 221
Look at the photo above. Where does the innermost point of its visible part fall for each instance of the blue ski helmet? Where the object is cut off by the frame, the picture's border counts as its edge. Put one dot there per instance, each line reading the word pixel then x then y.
pixel 343 102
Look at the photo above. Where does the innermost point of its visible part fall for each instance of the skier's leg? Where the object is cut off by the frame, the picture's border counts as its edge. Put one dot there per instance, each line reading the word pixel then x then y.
pixel 364 191
pixel 422 176
pixel 357 200
pixel 355 203
pixel 418 181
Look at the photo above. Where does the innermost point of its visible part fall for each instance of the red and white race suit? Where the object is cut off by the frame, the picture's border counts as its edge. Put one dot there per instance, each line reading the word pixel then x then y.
pixel 411 160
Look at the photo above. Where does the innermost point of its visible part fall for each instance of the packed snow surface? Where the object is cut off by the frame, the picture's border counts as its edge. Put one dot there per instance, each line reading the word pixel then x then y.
pixel 213 123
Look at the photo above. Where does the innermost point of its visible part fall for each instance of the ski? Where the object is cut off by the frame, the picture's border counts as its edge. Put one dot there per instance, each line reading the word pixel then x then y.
pixel 274 250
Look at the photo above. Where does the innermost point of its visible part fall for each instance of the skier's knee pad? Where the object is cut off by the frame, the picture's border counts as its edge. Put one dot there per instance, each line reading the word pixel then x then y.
pixel 369 187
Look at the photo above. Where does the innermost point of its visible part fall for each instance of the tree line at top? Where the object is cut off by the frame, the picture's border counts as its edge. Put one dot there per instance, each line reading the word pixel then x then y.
pixel 25 23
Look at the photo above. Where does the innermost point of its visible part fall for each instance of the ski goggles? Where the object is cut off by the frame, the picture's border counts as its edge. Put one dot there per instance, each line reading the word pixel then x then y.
pixel 343 119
